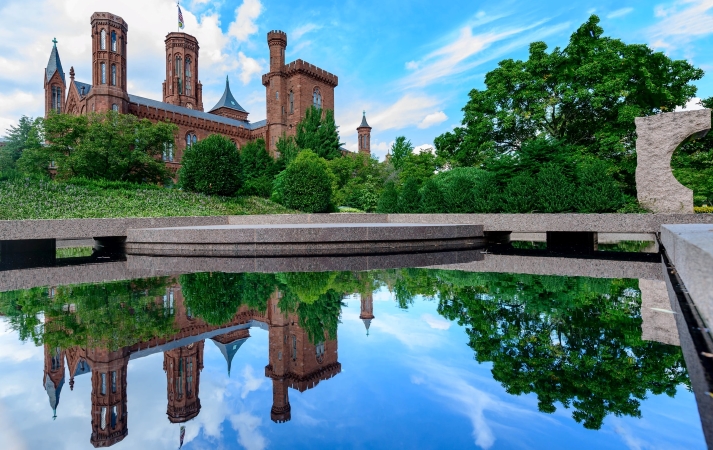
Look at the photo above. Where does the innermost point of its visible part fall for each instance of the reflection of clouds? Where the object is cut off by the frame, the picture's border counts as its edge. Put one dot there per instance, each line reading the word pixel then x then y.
pixel 632 442
pixel 437 323
pixel 408 330
pixel 252 383
pixel 452 385
pixel 247 427
pixel 16 353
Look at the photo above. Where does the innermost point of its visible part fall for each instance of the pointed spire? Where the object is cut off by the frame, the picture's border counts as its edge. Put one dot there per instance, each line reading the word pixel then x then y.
pixel 54 64
pixel 229 350
pixel 53 393
pixel 367 323
pixel 227 100
pixel 364 124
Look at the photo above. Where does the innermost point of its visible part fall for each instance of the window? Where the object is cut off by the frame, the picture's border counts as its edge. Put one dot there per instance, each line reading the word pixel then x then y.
pixel 103 418
pixel 113 416
pixel 319 350
pixel 179 380
pixel 102 39
pixel 292 102
pixel 115 107
pixel 191 139
pixel 168 152
pixel 317 98
pixel 56 359
pixel 113 41
pixel 113 382
pixel 113 74
pixel 103 73
pixel 189 376
pixel 103 384
pixel 277 95
pixel 294 348
pixel 179 74
pixel 188 75
pixel 56 99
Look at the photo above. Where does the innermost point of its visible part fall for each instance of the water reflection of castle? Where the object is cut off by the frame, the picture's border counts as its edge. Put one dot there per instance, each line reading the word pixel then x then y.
pixel 294 362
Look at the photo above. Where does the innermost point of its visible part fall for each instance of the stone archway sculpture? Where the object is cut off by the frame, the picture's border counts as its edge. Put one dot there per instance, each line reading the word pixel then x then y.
pixel 657 138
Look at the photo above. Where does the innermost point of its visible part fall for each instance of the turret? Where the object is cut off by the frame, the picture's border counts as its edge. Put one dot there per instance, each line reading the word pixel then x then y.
pixel 364 136
pixel 276 83
pixel 277 41
pixel 109 64
pixel 54 83
pixel 182 86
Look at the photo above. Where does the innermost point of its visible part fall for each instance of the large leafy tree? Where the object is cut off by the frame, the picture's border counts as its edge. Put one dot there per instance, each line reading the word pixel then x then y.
pixel 25 136
pixel 400 149
pixel 317 131
pixel 586 94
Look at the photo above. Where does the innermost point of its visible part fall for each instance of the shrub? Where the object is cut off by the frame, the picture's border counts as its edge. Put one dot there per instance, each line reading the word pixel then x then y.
pixel 409 199
pixel 211 166
pixel 363 196
pixel 554 190
pixel 258 169
pixel 432 201
pixel 458 193
pixel 260 187
pixel 389 200
pixel 597 192
pixel 307 184
pixel 485 193
pixel 520 194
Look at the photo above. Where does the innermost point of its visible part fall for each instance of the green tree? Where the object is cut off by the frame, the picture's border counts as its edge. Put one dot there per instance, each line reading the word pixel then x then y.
pixel 409 201
pixel 287 150
pixel 25 136
pixel 307 184
pixel 258 169
pixel 389 200
pixel 214 297
pixel 555 191
pixel 400 150
pixel 318 131
pixel 692 164
pixel 586 94
pixel 211 166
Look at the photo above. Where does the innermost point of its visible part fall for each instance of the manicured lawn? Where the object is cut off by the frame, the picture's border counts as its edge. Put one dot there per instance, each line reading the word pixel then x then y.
pixel 44 199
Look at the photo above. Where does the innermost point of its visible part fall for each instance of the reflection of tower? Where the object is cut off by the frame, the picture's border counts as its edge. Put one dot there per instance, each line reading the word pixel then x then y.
pixel 77 364
pixel 295 362
pixel 109 413
pixel 229 344
pixel 367 310
pixel 183 366
pixel 53 379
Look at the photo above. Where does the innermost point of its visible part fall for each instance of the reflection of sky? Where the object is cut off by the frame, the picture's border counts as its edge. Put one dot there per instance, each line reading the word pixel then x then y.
pixel 412 383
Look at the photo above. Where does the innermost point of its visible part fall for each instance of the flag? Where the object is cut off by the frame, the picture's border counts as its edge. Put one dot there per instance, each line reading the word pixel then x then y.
pixel 180 18
pixel 183 434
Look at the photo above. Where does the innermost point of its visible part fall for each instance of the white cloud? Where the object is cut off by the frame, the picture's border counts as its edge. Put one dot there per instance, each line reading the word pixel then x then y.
pixel 15 104
pixel 300 31
pixel 433 119
pixel 244 24
pixel 681 23
pixel 692 105
pixel 423 148
pixel 409 110
pixel 619 13
pixel 249 67
pixel 251 383
pixel 412 65
pixel 249 435
pixel 437 323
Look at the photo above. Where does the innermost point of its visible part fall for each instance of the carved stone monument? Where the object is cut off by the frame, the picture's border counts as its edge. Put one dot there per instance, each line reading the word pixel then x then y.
pixel 658 137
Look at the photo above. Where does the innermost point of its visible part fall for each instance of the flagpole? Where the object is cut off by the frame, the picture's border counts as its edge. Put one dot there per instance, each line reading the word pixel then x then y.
pixel 178 28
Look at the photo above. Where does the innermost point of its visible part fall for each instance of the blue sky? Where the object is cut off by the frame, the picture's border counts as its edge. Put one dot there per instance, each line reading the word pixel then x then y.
pixel 412 383
pixel 409 64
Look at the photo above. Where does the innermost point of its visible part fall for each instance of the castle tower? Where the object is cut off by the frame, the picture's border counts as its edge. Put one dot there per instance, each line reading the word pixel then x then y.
pixel 109 81
pixel 53 378
pixel 275 83
pixel 227 106
pixel 279 357
pixel 367 310
pixel 55 83
pixel 182 86
pixel 183 367
pixel 364 135
pixel 109 410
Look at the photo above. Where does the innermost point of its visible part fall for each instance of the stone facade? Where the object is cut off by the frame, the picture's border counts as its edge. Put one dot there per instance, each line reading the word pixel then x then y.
pixel 290 89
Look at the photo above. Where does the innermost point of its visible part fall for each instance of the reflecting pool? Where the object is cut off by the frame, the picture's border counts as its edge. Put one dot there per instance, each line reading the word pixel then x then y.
pixel 401 358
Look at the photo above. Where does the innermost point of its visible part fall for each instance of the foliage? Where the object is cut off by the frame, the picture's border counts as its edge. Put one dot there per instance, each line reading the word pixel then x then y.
pixel 318 131
pixel 400 150
pixel 389 200
pixel 212 166
pixel 597 191
pixel 307 184
pixel 25 136
pixel 358 181
pixel 432 201
pixel 703 209
pixel 419 167
pixel 110 146
pixel 258 169
pixel 554 190
pixel 33 198
pixel 409 201
pixel 518 194
pixel 287 150
pixel 586 94
pixel 692 165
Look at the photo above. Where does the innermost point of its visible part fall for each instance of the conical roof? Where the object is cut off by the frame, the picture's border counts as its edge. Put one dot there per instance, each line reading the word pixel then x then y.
pixel 229 350
pixel 53 393
pixel 367 323
pixel 363 122
pixel 54 64
pixel 227 100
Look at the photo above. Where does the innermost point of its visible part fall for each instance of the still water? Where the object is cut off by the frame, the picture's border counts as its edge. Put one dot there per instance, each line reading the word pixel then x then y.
pixel 404 358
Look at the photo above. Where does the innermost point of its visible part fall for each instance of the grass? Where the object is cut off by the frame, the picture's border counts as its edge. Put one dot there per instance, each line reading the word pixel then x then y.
pixel 30 198
pixel 74 252
pixel 703 209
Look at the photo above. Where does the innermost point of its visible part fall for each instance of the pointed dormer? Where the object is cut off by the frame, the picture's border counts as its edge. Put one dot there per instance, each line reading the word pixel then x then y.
pixel 364 136
pixel 227 106
pixel 54 82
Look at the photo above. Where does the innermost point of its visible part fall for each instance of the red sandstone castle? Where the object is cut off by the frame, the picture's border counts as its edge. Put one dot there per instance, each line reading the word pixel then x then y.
pixel 290 90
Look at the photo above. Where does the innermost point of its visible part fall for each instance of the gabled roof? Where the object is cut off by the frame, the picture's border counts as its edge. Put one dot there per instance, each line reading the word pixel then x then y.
pixel 142 101
pixel 80 85
pixel 54 64
pixel 227 100
pixel 363 122
pixel 229 350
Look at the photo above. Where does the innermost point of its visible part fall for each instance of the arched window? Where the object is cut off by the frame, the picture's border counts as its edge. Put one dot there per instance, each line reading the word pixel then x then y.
pixel 292 102
pixel 115 107
pixel 190 140
pixel 102 39
pixel 113 41
pixel 103 73
pixel 113 74
pixel 317 98
pixel 168 152
pixel 179 73
pixel 188 75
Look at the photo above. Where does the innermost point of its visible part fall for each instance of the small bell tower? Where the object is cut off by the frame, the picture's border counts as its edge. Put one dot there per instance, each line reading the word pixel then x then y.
pixel 364 135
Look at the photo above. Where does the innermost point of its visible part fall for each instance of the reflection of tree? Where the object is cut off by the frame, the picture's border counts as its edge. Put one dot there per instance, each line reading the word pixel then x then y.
pixel 108 315
pixel 216 297
pixel 576 341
